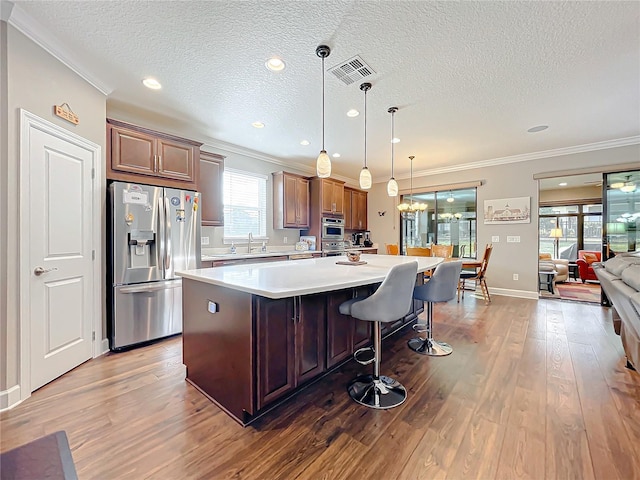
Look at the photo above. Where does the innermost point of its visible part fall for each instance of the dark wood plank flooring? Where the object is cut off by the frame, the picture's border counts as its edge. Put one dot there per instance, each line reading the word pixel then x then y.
pixel 534 389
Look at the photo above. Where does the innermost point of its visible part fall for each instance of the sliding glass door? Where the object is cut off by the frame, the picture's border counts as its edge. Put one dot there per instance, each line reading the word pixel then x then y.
pixel 621 230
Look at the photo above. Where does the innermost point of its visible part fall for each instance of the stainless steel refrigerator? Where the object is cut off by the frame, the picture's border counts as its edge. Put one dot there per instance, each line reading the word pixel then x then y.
pixel 153 232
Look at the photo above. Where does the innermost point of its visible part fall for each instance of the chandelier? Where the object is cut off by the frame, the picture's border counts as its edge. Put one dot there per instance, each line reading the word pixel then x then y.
pixel 411 208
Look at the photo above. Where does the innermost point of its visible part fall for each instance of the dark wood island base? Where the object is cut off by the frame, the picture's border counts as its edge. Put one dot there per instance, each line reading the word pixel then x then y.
pixel 249 353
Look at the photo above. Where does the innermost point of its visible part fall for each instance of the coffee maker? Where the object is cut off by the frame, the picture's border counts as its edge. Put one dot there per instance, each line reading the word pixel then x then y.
pixel 367 239
pixel 357 238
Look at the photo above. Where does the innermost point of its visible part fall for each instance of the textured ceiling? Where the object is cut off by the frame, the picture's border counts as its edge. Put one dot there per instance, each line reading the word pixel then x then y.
pixel 469 78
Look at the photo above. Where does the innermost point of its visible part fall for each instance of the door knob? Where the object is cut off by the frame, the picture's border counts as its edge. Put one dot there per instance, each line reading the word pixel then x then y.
pixel 39 270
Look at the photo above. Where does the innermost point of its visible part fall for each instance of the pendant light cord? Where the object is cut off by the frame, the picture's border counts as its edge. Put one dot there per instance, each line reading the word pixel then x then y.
pixel 323 103
pixel 393 114
pixel 365 129
pixel 411 182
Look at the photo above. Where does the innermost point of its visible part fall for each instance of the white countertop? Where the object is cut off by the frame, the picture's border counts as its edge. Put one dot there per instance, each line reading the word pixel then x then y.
pixel 303 277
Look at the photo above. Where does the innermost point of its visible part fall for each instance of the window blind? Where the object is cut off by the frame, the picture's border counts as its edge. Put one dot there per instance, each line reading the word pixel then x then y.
pixel 245 204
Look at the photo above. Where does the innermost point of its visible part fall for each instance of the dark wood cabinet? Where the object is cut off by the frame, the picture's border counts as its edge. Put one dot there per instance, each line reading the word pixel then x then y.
pixel 136 154
pixel 291 343
pixel 275 326
pixel 345 334
pixel 355 209
pixel 310 336
pixel 290 200
pixel 210 187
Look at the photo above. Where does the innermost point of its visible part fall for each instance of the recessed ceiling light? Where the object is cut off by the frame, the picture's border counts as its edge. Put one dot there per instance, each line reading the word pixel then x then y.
pixel 538 128
pixel 336 155
pixel 563 184
pixel 151 83
pixel 304 142
pixel 395 140
pixel 275 64
pixel 258 124
pixel 353 113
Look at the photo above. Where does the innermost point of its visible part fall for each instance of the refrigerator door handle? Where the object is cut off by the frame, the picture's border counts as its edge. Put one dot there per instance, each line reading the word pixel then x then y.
pixel 167 264
pixel 147 288
pixel 161 233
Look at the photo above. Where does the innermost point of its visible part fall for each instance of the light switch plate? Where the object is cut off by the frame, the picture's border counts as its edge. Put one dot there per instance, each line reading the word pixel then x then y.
pixel 495 238
pixel 513 238
pixel 212 307
pixel 204 240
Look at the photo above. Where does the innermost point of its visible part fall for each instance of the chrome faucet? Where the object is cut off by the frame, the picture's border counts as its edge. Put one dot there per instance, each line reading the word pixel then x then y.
pixel 249 245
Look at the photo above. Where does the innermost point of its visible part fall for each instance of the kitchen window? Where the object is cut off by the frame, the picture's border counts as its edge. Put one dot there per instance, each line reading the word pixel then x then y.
pixel 245 205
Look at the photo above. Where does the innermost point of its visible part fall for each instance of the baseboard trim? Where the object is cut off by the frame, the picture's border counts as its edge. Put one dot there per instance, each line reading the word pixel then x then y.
pixel 104 346
pixel 507 292
pixel 10 398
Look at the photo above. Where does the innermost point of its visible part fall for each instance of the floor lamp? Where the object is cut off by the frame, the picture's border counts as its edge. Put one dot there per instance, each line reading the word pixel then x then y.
pixel 556 234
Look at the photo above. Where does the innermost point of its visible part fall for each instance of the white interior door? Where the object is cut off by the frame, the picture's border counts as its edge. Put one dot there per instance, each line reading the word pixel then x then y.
pixel 60 244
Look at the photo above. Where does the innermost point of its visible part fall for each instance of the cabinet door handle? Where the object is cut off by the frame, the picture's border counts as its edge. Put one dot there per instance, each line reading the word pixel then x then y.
pixel 155 163
pixel 159 161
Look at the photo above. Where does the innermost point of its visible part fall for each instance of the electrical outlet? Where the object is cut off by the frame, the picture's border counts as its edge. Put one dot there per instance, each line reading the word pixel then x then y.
pixel 515 276
pixel 495 238
pixel 285 240
pixel 513 238
pixel 204 240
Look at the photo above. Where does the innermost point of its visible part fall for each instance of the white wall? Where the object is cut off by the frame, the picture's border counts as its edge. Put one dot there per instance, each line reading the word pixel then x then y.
pixel 36 81
pixel 502 181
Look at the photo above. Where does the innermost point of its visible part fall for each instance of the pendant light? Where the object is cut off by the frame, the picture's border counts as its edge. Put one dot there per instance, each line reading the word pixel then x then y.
pixel 365 174
pixel 392 185
pixel 409 210
pixel 323 163
pixel 450 198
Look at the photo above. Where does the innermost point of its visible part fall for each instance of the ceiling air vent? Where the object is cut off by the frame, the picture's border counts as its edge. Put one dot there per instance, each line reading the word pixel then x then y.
pixel 351 71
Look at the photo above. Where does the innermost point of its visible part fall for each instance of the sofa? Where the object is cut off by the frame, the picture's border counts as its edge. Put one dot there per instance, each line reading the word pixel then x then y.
pixel 559 265
pixel 586 259
pixel 620 280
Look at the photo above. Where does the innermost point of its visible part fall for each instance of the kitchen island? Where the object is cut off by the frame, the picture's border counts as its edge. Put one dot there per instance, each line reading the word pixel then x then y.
pixel 254 334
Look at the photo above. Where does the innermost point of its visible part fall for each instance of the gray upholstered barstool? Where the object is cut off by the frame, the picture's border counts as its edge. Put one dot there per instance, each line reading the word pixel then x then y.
pixel 391 301
pixel 441 287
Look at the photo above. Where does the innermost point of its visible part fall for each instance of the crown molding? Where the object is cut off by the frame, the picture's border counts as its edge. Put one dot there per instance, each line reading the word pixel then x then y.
pixel 43 37
pixel 525 157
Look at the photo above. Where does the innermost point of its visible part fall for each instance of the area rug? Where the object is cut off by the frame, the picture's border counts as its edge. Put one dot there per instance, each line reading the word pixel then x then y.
pixel 582 292
pixel 45 458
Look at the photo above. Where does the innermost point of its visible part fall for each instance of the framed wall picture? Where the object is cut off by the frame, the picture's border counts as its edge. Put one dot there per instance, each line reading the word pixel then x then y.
pixel 507 210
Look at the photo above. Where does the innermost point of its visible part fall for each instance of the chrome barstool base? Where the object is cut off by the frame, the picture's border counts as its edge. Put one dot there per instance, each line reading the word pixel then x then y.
pixel 382 393
pixel 432 348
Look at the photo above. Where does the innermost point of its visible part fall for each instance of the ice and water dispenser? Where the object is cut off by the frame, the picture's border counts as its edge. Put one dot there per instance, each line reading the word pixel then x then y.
pixel 142 245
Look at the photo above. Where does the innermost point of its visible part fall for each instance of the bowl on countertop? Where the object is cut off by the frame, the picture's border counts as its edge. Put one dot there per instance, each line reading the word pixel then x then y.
pixel 354 256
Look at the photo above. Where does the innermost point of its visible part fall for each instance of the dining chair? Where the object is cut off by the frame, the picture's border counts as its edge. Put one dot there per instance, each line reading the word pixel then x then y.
pixel 478 276
pixel 392 248
pixel 419 251
pixel 444 251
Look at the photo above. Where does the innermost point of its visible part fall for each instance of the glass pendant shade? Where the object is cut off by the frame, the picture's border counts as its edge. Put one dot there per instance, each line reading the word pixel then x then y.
pixel 628 187
pixel 365 178
pixel 323 165
pixel 392 187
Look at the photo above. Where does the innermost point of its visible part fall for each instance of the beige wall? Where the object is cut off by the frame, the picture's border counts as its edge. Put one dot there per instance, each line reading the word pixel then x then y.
pixel 36 81
pixel 503 181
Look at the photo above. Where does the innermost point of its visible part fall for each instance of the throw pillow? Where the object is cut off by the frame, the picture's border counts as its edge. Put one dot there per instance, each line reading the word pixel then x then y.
pixel 631 276
pixel 589 258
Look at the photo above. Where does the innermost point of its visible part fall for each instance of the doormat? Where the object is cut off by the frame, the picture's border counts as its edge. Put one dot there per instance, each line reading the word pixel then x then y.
pixel 587 292
pixel 45 458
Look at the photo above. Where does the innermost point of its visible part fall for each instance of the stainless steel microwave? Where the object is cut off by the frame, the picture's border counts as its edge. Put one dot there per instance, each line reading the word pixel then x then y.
pixel 332 228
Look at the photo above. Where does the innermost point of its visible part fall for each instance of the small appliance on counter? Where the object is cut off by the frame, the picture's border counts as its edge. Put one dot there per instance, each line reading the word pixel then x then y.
pixel 357 239
pixel 367 239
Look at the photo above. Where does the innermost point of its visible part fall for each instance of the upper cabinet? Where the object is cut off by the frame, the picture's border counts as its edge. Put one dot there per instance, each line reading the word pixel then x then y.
pixel 164 160
pixel 331 195
pixel 355 210
pixel 210 187
pixel 290 201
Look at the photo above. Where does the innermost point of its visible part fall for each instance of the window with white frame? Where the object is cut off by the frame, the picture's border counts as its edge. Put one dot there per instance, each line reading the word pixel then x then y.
pixel 245 205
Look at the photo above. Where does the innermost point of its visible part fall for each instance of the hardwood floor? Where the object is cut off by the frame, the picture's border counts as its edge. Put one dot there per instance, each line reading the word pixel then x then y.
pixel 533 389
